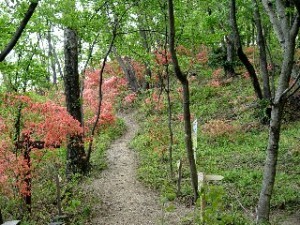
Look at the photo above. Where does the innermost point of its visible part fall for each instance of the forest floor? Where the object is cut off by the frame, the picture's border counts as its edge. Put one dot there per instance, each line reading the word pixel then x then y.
pixel 122 198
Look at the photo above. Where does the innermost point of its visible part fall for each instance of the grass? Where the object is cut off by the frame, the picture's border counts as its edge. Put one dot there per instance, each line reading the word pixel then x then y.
pixel 231 142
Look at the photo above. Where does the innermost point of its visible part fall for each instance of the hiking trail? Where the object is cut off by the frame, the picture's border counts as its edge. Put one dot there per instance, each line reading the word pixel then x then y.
pixel 122 198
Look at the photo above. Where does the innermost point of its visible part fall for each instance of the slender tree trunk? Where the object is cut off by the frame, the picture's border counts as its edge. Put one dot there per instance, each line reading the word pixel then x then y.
pixel 171 135
pixel 242 56
pixel 17 124
pixel 262 52
pixel 263 211
pixel 286 34
pixel 168 91
pixel 27 178
pixel 270 165
pixel 58 63
pixel 51 57
pixel 186 101
pixel 75 148
pixel 148 73
pixel 100 94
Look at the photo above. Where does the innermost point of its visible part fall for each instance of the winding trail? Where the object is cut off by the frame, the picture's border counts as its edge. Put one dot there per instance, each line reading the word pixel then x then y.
pixel 123 199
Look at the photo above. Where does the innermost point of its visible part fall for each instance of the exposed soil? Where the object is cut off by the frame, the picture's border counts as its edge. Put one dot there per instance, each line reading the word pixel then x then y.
pixel 122 198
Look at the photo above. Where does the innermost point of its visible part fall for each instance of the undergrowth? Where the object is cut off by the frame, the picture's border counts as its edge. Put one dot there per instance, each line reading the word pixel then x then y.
pixel 231 142
pixel 76 203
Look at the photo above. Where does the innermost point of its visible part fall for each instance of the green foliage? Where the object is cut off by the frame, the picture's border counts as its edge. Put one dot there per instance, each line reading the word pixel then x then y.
pixel 231 142
pixel 102 142
pixel 151 170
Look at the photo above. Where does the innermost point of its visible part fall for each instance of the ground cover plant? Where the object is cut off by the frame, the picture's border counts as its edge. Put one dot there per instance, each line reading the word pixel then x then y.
pixel 231 142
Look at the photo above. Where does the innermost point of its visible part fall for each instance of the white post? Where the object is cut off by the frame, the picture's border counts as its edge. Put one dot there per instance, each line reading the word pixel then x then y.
pixel 195 135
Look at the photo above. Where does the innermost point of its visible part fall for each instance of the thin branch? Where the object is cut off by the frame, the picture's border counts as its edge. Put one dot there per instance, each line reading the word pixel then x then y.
pixel 252 216
pixel 235 195
pixel 97 10
pixel 141 30
pixel 292 86
pixel 19 31
pixel 295 26
pixel 91 48
pixel 297 89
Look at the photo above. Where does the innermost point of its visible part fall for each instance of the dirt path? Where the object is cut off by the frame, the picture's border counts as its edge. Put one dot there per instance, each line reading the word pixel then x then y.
pixel 123 199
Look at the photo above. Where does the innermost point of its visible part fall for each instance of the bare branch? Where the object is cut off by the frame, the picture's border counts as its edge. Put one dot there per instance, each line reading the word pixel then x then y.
pixel 90 52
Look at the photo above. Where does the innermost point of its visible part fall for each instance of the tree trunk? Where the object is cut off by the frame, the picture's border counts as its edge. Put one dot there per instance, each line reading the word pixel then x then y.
pixel 188 137
pixel 228 66
pixel 242 56
pixel 287 34
pixel 75 147
pixel 262 52
pixel 263 210
pixel 186 102
pixel 27 177
pixel 128 70
pixel 51 57
pixel 171 135
pixel 148 73
pixel 1 218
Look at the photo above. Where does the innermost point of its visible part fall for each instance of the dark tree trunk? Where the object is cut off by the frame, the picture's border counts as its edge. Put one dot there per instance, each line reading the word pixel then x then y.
pixel 27 178
pixel 17 124
pixel 75 149
pixel 1 218
pixel 262 52
pixel 186 102
pixel 229 47
pixel 242 56
pixel 128 70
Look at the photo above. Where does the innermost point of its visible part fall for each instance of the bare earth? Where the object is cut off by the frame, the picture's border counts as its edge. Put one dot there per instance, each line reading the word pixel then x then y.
pixel 122 198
